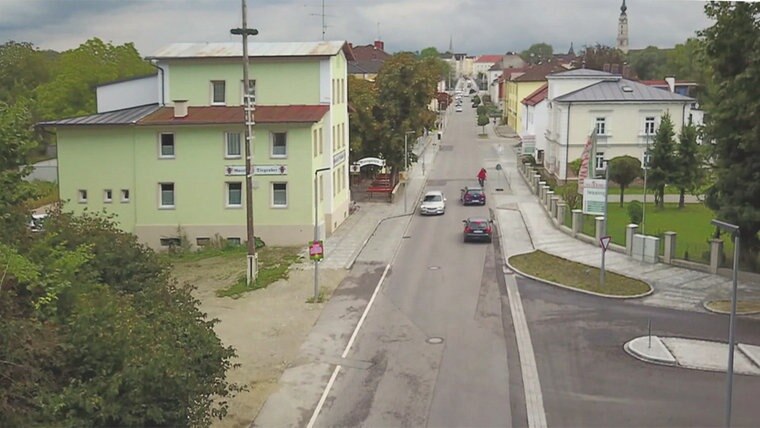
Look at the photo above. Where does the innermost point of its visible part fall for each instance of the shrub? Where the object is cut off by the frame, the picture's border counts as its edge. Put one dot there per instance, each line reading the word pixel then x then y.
pixel 635 212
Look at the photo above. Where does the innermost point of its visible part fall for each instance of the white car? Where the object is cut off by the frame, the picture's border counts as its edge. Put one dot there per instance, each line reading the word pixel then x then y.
pixel 458 108
pixel 433 203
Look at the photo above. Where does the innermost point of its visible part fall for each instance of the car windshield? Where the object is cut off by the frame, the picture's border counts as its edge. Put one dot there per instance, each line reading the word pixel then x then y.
pixel 433 198
pixel 478 223
pixel 474 191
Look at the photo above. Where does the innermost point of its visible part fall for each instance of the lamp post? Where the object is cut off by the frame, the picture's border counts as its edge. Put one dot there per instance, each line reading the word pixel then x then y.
pixel 606 164
pixel 406 167
pixel 316 230
pixel 734 229
pixel 249 108
pixel 646 167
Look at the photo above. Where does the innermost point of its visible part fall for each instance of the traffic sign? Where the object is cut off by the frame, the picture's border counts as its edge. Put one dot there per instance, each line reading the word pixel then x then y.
pixel 605 241
pixel 316 250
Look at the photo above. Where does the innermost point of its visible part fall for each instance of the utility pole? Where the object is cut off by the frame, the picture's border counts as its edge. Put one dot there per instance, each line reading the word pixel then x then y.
pixel 249 109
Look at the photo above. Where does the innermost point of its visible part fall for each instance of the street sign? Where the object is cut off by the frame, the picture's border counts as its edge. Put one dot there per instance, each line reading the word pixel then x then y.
pixel 605 241
pixel 594 192
pixel 316 250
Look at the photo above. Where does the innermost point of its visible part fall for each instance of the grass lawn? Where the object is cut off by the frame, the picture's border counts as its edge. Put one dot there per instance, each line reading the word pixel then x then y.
pixel 742 306
pixel 614 189
pixel 274 263
pixel 576 275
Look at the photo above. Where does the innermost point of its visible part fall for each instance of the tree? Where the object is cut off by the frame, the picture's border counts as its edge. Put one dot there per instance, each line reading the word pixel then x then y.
pixel 22 68
pixel 16 142
pixel 363 127
pixel 430 52
pixel 594 57
pixel 649 63
pixel 623 170
pixel 662 164
pixel 483 121
pixel 689 173
pixel 732 49
pixel 537 53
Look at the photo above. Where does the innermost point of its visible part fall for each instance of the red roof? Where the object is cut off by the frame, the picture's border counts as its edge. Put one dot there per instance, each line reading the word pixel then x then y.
pixel 489 58
pixel 369 52
pixel 539 72
pixel 537 96
pixel 223 114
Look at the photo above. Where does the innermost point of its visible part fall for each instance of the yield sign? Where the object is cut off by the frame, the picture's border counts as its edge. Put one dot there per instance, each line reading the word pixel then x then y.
pixel 605 241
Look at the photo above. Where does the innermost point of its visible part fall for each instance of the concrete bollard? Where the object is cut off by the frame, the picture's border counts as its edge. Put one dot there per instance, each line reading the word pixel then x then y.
pixel 561 207
pixel 630 230
pixel 541 189
pixel 536 183
pixel 553 205
pixel 548 198
pixel 716 250
pixel 670 247
pixel 577 222
pixel 599 229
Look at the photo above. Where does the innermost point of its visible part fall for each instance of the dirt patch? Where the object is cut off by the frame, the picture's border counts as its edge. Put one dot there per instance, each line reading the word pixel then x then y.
pixel 266 326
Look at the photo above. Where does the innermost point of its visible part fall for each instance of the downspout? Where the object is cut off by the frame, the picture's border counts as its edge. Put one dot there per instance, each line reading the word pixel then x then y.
pixel 163 89
pixel 567 146
pixel 683 116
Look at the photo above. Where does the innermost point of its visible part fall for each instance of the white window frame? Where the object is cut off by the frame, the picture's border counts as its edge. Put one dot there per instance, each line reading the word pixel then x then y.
pixel 272 201
pixel 213 88
pixel 273 136
pixel 125 195
pixel 82 196
pixel 227 190
pixel 107 196
pixel 227 154
pixel 599 161
pixel 252 86
pixel 161 154
pixel 650 124
pixel 161 196
pixel 600 120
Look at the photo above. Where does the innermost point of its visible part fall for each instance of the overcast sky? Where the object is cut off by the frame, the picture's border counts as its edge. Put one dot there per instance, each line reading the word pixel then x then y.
pixel 476 26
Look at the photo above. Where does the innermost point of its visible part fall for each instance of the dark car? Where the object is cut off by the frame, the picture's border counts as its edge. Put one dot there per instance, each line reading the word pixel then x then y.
pixel 472 195
pixel 477 229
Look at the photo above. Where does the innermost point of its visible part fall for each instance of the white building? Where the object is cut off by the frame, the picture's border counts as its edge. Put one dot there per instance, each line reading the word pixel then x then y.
pixel 534 120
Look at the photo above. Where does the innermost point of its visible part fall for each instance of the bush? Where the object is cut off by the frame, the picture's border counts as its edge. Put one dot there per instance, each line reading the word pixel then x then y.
pixel 635 212
pixel 529 159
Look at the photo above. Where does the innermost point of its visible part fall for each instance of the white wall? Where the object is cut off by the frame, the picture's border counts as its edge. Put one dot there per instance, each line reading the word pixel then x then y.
pixel 127 94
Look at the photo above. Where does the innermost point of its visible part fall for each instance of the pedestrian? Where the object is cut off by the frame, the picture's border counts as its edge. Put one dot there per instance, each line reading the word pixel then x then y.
pixel 482 177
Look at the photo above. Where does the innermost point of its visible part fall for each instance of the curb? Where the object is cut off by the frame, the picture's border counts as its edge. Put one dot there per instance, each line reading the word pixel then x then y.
pixel 750 356
pixel 720 312
pixel 627 348
pixel 579 290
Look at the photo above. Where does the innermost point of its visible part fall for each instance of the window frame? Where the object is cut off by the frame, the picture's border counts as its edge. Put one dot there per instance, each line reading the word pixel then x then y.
pixel 161 205
pixel 213 100
pixel 82 196
pixel 647 124
pixel 227 189
pixel 240 138
pixel 107 196
pixel 272 201
pixel 125 196
pixel 597 157
pixel 161 154
pixel 272 138
pixel 600 120
pixel 252 85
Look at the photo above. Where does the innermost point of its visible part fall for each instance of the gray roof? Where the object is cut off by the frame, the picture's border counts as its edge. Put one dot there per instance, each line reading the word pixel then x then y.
pixel 126 116
pixel 235 49
pixel 613 91
pixel 583 72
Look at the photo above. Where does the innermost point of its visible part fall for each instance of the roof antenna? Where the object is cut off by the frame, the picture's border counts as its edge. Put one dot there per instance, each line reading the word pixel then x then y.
pixel 378 31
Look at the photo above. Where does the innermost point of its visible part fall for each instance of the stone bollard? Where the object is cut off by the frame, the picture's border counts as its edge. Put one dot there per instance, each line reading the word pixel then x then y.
pixel 561 206
pixel 630 230
pixel 548 198
pixel 577 222
pixel 599 229
pixel 541 189
pixel 535 186
pixel 670 247
pixel 716 250
pixel 553 205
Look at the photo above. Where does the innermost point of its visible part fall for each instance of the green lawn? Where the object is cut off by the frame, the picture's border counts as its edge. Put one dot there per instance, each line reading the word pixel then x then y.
pixel 614 189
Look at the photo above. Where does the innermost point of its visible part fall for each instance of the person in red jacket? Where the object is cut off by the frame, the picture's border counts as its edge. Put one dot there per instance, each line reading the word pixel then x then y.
pixel 482 176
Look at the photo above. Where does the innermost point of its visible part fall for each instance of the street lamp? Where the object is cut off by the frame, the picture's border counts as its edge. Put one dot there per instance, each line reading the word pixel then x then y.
pixel 734 229
pixel 406 167
pixel 249 108
pixel 316 230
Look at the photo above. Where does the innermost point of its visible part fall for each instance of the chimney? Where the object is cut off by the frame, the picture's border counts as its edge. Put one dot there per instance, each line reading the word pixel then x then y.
pixel 671 83
pixel 180 108
pixel 379 45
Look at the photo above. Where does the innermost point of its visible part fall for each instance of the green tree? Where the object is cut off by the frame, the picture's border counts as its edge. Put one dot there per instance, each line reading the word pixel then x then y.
pixel 16 142
pixel 430 52
pixel 649 63
pixel 662 164
pixel 363 127
pixel 575 166
pixel 733 50
pixel 537 53
pixel 623 170
pixel 594 57
pixel 483 121
pixel 22 68
pixel 635 212
pixel 689 174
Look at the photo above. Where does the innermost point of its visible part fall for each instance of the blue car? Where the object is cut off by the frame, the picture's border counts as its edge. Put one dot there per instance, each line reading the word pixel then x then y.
pixel 473 196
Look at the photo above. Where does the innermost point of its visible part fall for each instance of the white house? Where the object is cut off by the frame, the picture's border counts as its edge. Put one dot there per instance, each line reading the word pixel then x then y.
pixel 534 120
pixel 624 113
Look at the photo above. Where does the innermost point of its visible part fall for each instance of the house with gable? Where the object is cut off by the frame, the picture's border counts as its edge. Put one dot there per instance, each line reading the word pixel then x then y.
pixel 523 84
pixel 624 114
pixel 367 60
pixel 165 154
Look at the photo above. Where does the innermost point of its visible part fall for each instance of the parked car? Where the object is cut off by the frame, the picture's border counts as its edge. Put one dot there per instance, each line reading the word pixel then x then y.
pixel 36 221
pixel 472 195
pixel 458 108
pixel 433 203
pixel 477 229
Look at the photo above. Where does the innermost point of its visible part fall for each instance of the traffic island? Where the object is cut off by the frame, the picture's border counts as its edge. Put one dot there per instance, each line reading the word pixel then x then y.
pixel 564 273
pixel 743 307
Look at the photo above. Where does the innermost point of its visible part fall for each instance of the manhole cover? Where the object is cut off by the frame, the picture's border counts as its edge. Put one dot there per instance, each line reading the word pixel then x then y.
pixel 434 267
pixel 434 340
pixel 499 189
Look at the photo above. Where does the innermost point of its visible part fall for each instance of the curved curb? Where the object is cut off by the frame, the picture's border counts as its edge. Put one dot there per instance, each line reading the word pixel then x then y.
pixel 579 290
pixel 720 312
pixel 627 348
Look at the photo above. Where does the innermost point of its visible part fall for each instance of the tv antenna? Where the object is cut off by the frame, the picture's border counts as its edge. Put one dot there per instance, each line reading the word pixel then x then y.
pixel 323 16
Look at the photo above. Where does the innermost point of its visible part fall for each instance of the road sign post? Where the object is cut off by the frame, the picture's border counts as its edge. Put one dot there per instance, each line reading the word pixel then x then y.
pixel 605 242
pixel 316 253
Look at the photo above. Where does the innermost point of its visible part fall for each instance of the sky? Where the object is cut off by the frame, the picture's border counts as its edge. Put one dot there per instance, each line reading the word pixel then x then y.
pixel 474 26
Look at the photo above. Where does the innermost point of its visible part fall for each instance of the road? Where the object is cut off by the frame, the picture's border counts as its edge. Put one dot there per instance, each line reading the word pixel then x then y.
pixel 437 289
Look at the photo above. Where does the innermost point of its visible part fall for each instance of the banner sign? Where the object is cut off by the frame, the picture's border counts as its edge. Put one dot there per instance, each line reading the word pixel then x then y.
pixel 594 196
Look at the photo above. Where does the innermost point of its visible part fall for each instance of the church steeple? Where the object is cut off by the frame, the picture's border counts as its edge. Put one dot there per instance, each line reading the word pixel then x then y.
pixel 622 37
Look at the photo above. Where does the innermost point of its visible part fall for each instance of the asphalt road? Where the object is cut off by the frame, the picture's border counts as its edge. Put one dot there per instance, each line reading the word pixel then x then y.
pixel 588 380
pixel 438 289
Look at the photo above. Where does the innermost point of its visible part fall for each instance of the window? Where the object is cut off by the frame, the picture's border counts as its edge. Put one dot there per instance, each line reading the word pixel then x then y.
pixel 601 126
pixel 251 91
pixel 166 140
pixel 202 241
pixel 279 144
pixel 167 195
pixel 649 125
pixel 125 195
pixel 234 241
pixel 599 161
pixel 107 196
pixel 170 242
pixel 279 195
pixel 232 145
pixel 235 194
pixel 82 196
pixel 217 91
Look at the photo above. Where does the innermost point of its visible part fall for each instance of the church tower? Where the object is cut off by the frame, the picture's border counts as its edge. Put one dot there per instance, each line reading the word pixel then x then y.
pixel 622 37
